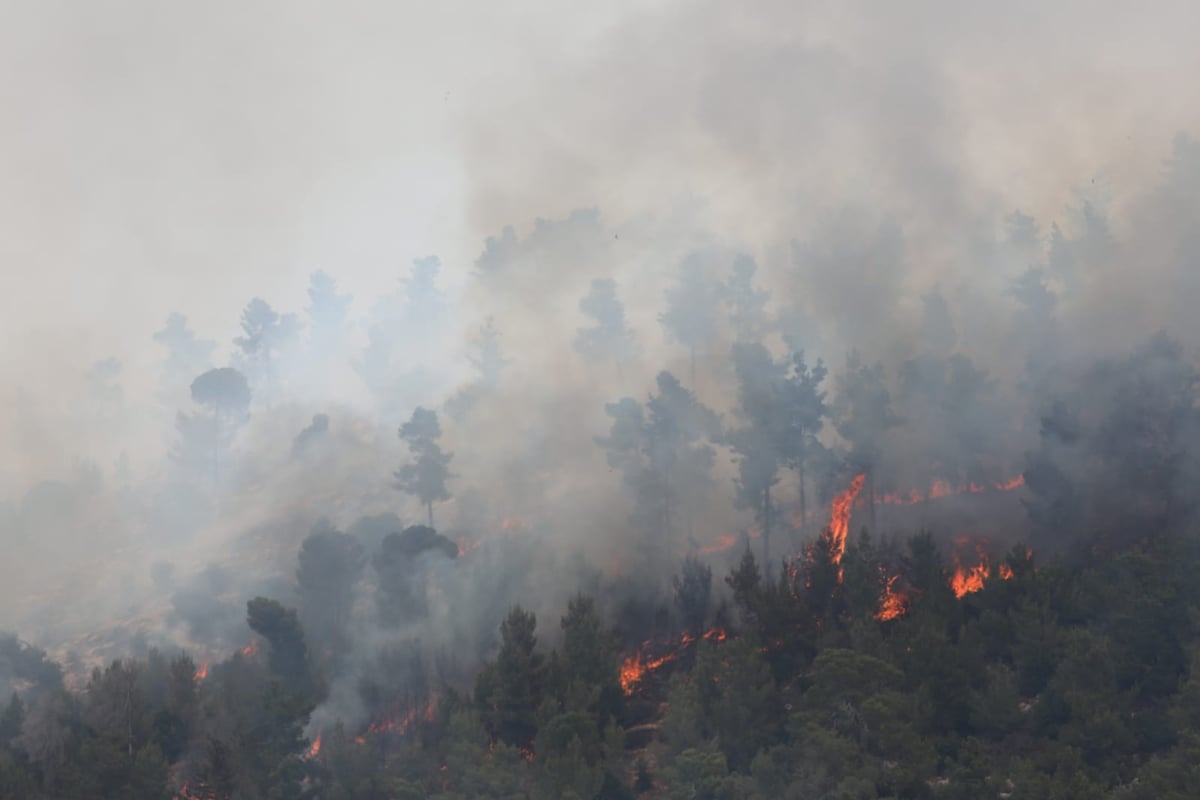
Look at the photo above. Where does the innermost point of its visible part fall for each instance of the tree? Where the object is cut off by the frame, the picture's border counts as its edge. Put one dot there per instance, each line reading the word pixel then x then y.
pixel 266 334
pixel 747 305
pixel 759 442
pixel 401 583
pixel 511 687
pixel 691 315
pixel 281 628
pixel 663 451
pixel 862 411
pixel 693 594
pixel 805 413
pixel 225 393
pixel 488 356
pixel 609 338
pixel 187 356
pixel 425 478
pixel 331 564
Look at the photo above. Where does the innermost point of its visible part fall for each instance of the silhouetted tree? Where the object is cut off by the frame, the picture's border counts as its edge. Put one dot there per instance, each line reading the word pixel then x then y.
pixel 488 356
pixel 862 411
pixel 805 410
pixel 401 582
pixel 266 334
pixel 331 563
pixel 691 315
pixel 693 594
pixel 609 338
pixel 425 478
pixel 187 356
pixel 747 305
pixel 225 393
pixel 281 628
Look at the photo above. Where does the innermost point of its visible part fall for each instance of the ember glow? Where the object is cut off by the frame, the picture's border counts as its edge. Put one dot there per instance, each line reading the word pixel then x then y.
pixel 249 650
pixel 315 748
pixel 722 544
pixel 202 672
pixel 466 546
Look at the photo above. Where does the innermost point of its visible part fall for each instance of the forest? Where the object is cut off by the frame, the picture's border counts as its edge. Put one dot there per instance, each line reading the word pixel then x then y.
pixel 637 400
pixel 911 580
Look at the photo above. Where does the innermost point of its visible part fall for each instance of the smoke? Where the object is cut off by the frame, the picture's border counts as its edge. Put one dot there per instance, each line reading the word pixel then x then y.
pixel 870 161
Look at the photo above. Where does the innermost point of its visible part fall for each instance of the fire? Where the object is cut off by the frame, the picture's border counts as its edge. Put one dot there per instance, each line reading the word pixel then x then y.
pixel 970 579
pixel 466 545
pixel 249 650
pixel 839 516
pixel 943 488
pixel 635 667
pixel 402 725
pixel 315 748
pixel 1005 572
pixel 893 603
pixel 513 524
pixel 201 673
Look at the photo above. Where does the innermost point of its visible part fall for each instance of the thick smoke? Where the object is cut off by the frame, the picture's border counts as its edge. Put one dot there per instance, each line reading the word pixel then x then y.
pixel 977 220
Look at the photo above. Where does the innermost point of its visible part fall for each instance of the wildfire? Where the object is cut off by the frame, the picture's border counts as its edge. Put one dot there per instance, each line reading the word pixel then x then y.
pixel 966 580
pixel 315 748
pixel 466 545
pixel 635 667
pixel 513 524
pixel 839 516
pixel 202 672
pixel 893 603
pixel 402 724
pixel 943 488
pixel 249 650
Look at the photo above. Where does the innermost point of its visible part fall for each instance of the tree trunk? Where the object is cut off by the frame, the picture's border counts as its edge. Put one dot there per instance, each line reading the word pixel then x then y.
pixel 429 506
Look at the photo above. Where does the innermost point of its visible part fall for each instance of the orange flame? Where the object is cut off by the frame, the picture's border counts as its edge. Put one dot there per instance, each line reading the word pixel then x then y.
pixel 402 725
pixel 970 579
pixel 1005 572
pixel 943 488
pixel 893 604
pixel 249 650
pixel 466 545
pixel 201 673
pixel 839 516
pixel 315 748
pixel 635 667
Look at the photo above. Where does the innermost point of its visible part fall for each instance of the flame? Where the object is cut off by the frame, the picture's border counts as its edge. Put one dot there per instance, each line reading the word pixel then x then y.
pixel 1005 572
pixel 466 545
pixel 942 488
pixel 635 667
pixel 201 673
pixel 402 725
pixel 249 650
pixel 893 603
pixel 839 516
pixel 315 748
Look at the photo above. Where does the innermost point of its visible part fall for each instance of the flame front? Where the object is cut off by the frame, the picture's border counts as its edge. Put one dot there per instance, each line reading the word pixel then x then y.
pixel 315 748
pixel 839 516
pixel 635 667
pixel 402 724
pixel 201 673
